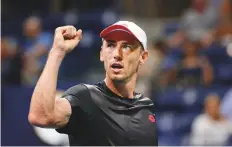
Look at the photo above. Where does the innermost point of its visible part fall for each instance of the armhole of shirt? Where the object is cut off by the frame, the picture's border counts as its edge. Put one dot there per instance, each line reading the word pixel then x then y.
pixel 77 105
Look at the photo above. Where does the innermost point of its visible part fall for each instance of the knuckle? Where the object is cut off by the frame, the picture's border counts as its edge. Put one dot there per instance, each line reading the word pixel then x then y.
pixel 70 29
pixel 58 29
pixel 73 28
pixel 70 26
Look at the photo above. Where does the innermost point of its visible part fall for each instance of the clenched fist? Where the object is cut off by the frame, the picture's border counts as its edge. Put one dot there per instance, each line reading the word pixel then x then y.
pixel 66 38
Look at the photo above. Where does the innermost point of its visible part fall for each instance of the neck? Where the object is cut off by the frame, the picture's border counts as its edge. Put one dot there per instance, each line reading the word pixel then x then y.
pixel 215 117
pixel 123 89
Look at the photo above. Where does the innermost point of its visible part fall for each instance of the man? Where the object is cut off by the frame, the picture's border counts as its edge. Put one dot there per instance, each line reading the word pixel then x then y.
pixel 37 43
pixel 211 127
pixel 106 113
pixel 197 23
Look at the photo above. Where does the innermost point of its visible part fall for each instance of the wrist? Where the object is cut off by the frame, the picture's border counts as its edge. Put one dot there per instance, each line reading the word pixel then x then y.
pixel 57 52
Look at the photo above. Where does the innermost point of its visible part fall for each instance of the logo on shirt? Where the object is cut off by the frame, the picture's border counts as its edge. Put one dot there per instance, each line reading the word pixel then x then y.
pixel 151 118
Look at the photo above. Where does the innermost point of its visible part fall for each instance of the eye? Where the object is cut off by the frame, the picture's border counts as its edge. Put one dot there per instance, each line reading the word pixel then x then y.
pixel 110 45
pixel 126 47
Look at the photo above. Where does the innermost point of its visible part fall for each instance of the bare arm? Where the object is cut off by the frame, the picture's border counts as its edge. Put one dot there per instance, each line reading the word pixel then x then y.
pixel 45 110
pixel 225 11
pixel 208 75
pixel 207 72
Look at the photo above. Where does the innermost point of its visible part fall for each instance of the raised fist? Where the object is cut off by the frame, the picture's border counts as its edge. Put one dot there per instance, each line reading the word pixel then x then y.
pixel 66 38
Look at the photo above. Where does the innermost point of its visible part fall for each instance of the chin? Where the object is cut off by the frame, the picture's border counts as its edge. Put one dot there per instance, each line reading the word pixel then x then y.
pixel 118 79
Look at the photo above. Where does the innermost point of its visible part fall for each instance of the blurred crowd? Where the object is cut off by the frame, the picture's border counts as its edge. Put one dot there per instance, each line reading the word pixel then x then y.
pixel 194 52
pixel 197 53
pixel 23 62
pixel 185 57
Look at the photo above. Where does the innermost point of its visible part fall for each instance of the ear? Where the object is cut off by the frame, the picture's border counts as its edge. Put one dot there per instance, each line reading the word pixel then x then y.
pixel 101 55
pixel 143 57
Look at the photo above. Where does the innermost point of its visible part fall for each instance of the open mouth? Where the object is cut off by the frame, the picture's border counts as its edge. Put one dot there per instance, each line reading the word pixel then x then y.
pixel 116 66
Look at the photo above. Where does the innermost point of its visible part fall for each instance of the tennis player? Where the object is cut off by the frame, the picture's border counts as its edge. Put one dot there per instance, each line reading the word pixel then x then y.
pixel 107 113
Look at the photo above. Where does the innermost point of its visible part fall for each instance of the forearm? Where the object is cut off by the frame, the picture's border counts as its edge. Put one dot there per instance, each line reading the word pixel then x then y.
pixel 43 98
pixel 207 76
pixel 40 51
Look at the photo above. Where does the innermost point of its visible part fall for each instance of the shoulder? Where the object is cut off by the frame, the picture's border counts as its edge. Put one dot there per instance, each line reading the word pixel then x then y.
pixel 82 90
pixel 76 90
pixel 45 37
pixel 100 87
pixel 143 100
pixel 45 34
pixel 79 96
pixel 200 120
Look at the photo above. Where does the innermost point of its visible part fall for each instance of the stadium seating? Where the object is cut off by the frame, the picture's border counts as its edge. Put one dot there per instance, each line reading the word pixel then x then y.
pixel 175 107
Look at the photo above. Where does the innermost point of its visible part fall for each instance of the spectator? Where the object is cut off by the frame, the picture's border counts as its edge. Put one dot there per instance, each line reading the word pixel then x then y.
pixel 197 23
pixel 193 69
pixel 36 46
pixel 226 12
pixel 11 61
pixel 150 73
pixel 211 128
pixel 224 29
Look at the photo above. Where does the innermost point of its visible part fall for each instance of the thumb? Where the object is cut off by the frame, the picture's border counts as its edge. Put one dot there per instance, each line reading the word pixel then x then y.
pixel 78 35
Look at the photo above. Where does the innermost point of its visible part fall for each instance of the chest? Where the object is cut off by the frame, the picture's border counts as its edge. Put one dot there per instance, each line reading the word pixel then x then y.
pixel 120 122
pixel 127 127
pixel 216 133
pixel 217 128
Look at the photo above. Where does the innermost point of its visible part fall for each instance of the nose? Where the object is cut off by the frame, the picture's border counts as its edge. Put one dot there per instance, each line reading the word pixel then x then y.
pixel 117 53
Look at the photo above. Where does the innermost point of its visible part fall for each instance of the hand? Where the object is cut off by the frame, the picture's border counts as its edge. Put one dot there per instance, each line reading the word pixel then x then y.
pixel 66 38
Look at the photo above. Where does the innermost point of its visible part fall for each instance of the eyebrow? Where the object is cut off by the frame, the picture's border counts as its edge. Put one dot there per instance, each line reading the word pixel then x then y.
pixel 113 41
pixel 133 45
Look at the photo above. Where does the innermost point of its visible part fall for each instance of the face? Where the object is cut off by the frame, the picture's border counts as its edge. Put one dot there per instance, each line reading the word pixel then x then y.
pixel 212 106
pixel 31 27
pixel 122 55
